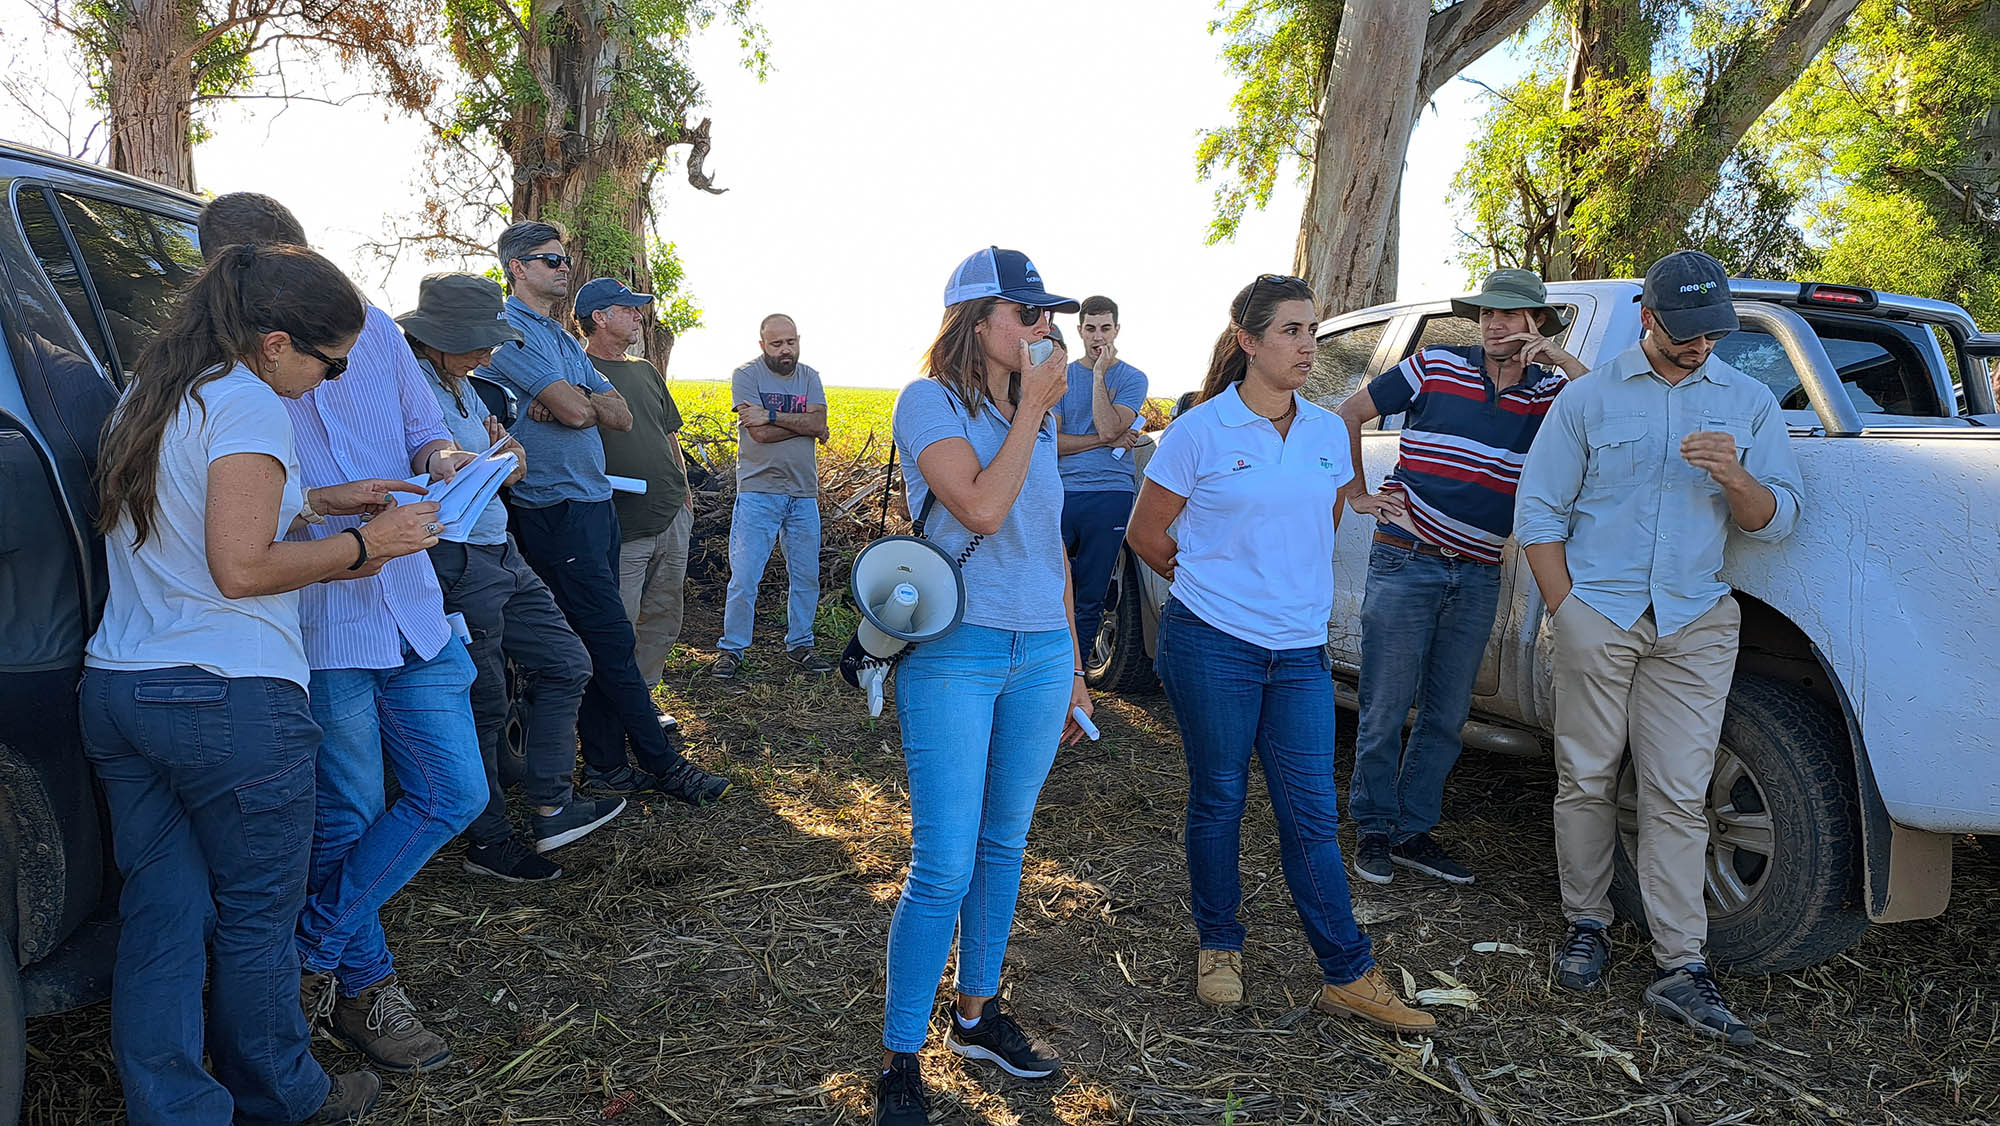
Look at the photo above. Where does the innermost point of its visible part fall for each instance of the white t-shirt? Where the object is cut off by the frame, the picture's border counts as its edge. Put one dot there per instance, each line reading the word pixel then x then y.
pixel 164 609
pixel 1256 537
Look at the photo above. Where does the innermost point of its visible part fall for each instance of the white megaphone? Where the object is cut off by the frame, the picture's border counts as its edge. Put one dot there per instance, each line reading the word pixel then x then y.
pixel 908 592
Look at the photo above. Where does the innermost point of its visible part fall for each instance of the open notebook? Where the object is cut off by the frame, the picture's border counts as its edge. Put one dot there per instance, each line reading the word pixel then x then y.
pixel 461 499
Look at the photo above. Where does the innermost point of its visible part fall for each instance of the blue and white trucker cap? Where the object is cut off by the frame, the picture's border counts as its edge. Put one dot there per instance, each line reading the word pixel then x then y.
pixel 994 272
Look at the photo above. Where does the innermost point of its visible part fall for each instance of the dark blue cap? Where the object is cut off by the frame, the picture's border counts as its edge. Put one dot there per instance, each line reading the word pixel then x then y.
pixel 1689 293
pixel 603 293
pixel 994 272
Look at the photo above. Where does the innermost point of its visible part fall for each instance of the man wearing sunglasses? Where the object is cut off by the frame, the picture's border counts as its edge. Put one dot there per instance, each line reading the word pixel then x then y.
pixel 1625 504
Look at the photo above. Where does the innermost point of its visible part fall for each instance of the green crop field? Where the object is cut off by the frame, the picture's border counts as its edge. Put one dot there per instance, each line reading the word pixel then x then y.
pixel 853 413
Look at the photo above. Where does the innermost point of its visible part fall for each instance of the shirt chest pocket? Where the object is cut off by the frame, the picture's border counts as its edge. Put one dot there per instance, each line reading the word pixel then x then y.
pixel 1739 433
pixel 1619 447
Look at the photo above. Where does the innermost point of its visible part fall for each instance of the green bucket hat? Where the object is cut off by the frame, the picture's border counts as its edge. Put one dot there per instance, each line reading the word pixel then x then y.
pixel 1512 288
pixel 459 313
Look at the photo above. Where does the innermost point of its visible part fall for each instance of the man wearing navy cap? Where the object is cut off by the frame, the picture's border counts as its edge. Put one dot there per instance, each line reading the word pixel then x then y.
pixel 1626 501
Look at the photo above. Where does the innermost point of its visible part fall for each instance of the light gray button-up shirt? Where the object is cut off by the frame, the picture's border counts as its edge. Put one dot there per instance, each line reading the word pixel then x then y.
pixel 1642 526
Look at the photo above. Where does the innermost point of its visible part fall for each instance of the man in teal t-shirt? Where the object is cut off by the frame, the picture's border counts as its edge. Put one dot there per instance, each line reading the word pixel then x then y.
pixel 1094 431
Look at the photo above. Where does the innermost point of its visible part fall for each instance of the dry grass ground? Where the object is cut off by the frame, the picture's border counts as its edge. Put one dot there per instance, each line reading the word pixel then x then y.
pixel 725 966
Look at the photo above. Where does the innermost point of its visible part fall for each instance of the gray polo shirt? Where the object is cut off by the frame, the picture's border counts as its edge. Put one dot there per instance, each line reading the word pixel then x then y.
pixel 790 467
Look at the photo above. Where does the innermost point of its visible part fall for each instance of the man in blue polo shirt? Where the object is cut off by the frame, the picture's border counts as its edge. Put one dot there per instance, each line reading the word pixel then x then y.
pixel 1094 429
pixel 567 528
pixel 1443 515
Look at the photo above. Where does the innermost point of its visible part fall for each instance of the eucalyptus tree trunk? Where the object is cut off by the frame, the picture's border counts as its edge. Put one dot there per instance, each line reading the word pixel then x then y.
pixel 149 91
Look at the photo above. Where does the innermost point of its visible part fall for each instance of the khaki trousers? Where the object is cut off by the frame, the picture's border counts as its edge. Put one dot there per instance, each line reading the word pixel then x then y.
pixel 652 573
pixel 1663 696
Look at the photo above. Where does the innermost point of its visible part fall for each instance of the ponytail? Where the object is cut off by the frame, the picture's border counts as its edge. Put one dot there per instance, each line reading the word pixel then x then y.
pixel 1251 311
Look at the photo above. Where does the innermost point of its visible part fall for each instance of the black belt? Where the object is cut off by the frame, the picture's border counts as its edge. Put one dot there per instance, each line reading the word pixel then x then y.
pixel 1422 548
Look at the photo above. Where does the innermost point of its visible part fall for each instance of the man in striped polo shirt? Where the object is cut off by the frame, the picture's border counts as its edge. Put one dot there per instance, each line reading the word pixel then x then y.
pixel 1443 515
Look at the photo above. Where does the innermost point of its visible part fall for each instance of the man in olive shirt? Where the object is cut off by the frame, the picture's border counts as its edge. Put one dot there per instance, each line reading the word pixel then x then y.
pixel 654 525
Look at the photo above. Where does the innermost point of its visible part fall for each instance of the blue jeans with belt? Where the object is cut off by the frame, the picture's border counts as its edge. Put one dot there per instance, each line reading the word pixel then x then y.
pixel 209 782
pixel 1425 621
pixel 981 712
pixel 420 713
pixel 1231 696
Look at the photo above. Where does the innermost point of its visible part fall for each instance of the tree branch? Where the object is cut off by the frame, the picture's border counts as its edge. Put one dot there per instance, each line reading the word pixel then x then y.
pixel 1455 37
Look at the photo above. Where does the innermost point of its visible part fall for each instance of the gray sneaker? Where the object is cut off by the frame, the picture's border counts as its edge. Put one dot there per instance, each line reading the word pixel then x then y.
pixel 1580 963
pixel 1689 995
pixel 575 821
pixel 727 665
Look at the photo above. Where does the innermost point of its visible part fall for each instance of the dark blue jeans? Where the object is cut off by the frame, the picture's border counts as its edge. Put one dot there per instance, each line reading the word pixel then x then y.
pixel 573 545
pixel 1093 528
pixel 209 781
pixel 1230 696
pixel 1424 626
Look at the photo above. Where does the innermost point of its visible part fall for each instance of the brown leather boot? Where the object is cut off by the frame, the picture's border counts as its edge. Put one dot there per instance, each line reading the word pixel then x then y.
pixel 1218 977
pixel 1371 999
pixel 351 1096
pixel 381 1024
pixel 316 997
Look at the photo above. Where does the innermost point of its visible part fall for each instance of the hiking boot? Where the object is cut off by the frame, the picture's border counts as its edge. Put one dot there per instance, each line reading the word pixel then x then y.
pixel 1580 965
pixel 1218 977
pixel 1371 859
pixel 691 784
pixel 1371 999
pixel 998 1038
pixel 316 997
pixel 1689 995
pixel 809 661
pixel 381 1024
pixel 900 1098
pixel 509 859
pixel 347 1099
pixel 573 822
pixel 727 665
pixel 1423 854
pixel 624 782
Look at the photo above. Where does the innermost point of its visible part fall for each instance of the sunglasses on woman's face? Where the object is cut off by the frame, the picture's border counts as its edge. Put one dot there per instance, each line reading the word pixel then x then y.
pixel 334 368
pixel 552 261
pixel 1031 315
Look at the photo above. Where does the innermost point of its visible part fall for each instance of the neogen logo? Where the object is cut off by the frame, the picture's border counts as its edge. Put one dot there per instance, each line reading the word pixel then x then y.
pixel 1698 287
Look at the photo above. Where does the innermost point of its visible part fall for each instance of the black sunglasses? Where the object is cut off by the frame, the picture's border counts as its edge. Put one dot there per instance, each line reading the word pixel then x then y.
pixel 334 368
pixel 552 261
pixel 1711 337
pixel 1275 279
pixel 1031 315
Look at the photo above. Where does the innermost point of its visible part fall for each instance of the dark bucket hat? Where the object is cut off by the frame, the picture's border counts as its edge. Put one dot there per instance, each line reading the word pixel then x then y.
pixel 1512 288
pixel 459 313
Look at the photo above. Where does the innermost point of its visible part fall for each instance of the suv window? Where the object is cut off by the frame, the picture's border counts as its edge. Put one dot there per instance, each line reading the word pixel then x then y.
pixel 1448 330
pixel 137 260
pixel 1883 371
pixel 1342 363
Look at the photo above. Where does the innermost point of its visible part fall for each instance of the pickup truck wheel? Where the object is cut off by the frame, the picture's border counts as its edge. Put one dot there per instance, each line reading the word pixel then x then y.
pixel 13 1038
pixel 1784 835
pixel 1117 659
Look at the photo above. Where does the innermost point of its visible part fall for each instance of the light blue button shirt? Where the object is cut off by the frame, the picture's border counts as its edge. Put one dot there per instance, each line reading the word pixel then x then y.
pixel 1642 526
pixel 563 463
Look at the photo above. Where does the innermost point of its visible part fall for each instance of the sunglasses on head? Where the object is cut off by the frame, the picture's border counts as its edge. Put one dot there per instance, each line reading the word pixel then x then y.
pixel 334 368
pixel 552 261
pixel 1274 279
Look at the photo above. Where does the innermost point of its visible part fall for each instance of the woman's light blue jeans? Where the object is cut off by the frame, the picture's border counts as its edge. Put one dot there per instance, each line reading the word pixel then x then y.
pixel 981 711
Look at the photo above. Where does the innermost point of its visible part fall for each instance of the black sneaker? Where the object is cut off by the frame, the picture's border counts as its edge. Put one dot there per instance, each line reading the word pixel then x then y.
pixel 511 860
pixel 691 784
pixel 997 1038
pixel 348 1097
pixel 1580 964
pixel 1371 859
pixel 726 666
pixel 809 661
pixel 1423 854
pixel 624 782
pixel 1689 995
pixel 900 1098
pixel 574 821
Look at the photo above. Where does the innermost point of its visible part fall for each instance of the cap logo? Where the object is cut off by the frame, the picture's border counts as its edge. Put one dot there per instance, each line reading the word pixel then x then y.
pixel 1698 287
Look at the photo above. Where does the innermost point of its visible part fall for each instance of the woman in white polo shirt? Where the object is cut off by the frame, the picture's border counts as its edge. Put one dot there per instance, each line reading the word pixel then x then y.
pixel 1253 472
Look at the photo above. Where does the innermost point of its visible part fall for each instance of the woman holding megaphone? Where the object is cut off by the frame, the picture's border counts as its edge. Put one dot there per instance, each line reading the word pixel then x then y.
pixel 983 708
pixel 1253 472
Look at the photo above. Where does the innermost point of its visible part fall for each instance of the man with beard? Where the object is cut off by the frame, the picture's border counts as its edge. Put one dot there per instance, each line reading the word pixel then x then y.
pixel 780 413
pixel 566 527
pixel 1625 506
pixel 1442 517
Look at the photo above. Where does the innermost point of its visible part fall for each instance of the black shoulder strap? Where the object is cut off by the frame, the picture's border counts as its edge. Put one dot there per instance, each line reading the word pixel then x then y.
pixel 923 514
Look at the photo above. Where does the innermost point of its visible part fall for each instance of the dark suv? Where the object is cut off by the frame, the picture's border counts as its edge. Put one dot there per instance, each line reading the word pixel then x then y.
pixel 91 262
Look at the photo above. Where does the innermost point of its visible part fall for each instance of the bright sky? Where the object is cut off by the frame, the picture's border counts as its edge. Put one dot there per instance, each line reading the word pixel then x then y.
pixel 891 140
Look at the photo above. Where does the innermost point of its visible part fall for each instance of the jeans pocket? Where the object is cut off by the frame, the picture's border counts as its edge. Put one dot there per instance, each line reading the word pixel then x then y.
pixel 278 812
pixel 184 720
pixel 1386 560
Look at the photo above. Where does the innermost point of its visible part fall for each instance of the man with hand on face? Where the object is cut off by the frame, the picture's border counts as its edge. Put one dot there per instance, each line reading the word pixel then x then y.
pixel 568 530
pixel 1094 429
pixel 1443 516
pixel 1625 506
pixel 780 414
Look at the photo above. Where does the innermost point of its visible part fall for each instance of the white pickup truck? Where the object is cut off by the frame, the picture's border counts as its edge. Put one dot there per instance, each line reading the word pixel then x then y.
pixel 1861 734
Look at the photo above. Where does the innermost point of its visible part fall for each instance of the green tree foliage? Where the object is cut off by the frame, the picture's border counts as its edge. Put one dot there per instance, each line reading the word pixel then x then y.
pixel 1282 51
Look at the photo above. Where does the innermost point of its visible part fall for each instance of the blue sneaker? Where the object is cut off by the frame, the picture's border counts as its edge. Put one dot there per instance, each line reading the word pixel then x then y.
pixel 1580 964
pixel 1689 995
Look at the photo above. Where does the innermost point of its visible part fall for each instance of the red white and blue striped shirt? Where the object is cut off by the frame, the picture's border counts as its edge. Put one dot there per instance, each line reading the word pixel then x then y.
pixel 1462 444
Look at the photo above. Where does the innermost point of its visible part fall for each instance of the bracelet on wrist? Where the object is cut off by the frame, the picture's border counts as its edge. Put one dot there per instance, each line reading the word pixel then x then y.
pixel 362 544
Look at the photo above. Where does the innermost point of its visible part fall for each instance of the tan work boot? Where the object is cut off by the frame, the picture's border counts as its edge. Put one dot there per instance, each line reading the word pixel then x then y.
pixel 1371 999
pixel 382 1025
pixel 1218 977
pixel 348 1098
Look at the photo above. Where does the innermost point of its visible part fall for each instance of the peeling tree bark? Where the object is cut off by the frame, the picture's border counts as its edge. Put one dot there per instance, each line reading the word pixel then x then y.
pixel 150 94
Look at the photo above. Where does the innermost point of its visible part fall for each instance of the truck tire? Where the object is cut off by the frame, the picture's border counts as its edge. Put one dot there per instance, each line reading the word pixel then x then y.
pixel 1784 857
pixel 13 1038
pixel 1117 661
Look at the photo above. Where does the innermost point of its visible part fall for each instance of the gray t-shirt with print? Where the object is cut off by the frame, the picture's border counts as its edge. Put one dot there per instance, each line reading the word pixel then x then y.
pixel 790 467
pixel 1014 581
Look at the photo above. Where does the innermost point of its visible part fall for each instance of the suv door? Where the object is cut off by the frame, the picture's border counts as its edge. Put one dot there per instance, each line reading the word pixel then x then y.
pixel 1351 352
